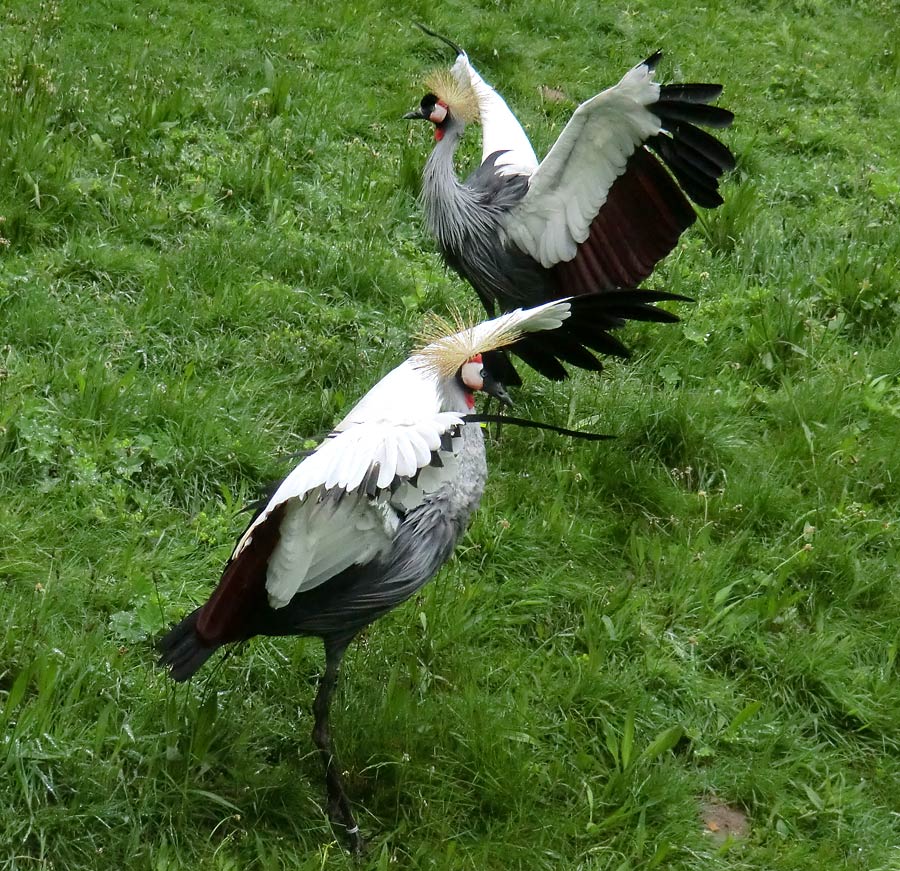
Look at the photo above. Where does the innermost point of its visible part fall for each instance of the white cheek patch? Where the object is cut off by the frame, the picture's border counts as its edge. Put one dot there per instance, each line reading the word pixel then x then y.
pixel 438 113
pixel 471 376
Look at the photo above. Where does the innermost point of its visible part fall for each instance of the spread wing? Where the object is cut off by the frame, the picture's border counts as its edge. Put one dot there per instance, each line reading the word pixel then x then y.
pixel 601 199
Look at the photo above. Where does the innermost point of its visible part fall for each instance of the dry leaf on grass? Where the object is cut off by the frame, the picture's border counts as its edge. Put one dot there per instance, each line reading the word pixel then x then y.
pixel 724 821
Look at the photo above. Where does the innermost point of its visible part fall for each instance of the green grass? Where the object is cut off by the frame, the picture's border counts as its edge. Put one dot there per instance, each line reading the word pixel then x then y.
pixel 210 246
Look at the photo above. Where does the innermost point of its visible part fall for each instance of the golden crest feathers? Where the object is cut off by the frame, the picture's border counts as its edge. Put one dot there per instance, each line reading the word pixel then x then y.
pixel 460 97
pixel 445 344
pixel 436 327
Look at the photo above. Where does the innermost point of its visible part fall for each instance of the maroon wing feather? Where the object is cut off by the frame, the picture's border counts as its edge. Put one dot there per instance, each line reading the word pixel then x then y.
pixel 229 612
pixel 644 214
pixel 648 207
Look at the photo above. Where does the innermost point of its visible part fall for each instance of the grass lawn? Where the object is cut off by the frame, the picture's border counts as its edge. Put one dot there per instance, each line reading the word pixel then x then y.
pixel 674 650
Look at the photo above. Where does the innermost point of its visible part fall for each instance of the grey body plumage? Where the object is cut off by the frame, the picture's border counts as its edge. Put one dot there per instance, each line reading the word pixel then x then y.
pixel 466 220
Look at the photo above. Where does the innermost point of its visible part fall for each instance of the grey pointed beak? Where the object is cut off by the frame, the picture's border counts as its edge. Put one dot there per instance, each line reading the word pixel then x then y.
pixel 415 115
pixel 494 388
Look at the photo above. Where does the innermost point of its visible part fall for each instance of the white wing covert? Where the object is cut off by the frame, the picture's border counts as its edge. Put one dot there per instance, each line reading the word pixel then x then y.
pixel 572 182
pixel 340 510
pixel 323 534
pixel 548 316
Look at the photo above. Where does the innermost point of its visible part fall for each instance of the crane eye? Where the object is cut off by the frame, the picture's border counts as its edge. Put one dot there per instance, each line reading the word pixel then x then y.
pixel 484 374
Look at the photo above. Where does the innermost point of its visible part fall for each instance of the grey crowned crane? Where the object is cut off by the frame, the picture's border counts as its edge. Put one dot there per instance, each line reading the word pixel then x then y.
pixel 372 514
pixel 606 204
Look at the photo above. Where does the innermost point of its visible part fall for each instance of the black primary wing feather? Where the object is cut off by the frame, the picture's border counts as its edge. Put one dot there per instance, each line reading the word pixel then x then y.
pixel 690 92
pixel 699 186
pixel 592 317
pixel 653 61
pixel 693 113
pixel 704 142
pixel 537 424
pixel 540 358
pixel 688 153
pixel 501 367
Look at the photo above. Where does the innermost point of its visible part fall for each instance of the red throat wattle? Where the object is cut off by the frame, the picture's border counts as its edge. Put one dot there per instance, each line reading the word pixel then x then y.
pixel 470 399
pixel 438 134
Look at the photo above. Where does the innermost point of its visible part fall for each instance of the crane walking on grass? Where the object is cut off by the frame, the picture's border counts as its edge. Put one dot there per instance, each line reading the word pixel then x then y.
pixel 373 513
pixel 597 214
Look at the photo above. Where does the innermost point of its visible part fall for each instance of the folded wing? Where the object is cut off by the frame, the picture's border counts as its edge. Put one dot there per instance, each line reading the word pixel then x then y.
pixel 335 510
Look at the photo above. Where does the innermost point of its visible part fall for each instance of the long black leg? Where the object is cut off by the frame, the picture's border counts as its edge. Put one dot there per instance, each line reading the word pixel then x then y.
pixel 339 811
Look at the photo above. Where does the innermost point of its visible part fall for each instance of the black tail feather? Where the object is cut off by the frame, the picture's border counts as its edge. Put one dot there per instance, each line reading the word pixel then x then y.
pixel 182 650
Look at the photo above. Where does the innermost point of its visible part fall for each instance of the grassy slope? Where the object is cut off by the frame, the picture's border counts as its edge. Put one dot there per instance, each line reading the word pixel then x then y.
pixel 214 246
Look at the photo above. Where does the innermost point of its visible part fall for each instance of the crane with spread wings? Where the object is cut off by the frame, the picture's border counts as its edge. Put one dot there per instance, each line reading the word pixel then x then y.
pixel 607 203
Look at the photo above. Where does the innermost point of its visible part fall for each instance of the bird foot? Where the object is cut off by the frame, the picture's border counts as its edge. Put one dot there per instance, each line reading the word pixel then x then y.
pixel 356 841
pixel 342 820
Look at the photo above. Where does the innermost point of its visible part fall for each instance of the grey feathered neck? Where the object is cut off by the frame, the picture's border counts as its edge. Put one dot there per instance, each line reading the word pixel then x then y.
pixel 451 209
